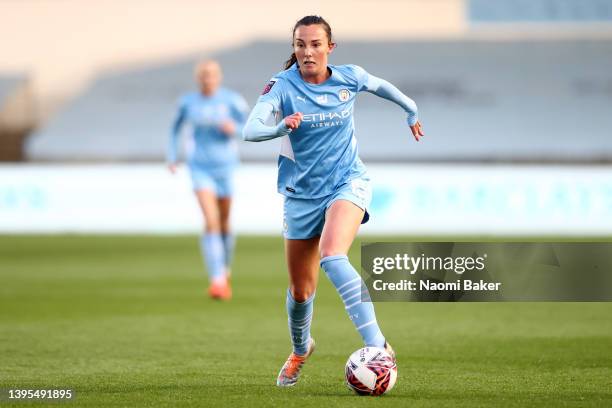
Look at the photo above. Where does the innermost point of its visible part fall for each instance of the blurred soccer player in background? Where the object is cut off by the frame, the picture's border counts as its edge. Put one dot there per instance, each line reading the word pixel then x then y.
pixel 216 115
pixel 325 184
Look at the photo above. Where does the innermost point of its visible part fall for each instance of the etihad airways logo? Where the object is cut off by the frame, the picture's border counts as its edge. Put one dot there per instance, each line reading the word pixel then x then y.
pixel 322 116
pixel 326 119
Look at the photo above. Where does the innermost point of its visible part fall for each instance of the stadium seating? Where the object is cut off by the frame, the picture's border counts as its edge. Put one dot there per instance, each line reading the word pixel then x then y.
pixel 505 100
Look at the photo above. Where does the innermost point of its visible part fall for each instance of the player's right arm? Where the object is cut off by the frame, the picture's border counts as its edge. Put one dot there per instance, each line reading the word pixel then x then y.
pixel 256 128
pixel 172 149
pixel 387 90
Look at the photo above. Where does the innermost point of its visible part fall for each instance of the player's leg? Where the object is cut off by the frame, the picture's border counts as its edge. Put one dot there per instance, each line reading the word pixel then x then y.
pixel 342 222
pixel 225 205
pixel 303 225
pixel 303 263
pixel 211 243
pixel 224 186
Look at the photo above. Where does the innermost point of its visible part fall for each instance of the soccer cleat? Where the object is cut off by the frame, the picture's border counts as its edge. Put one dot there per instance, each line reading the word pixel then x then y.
pixel 288 375
pixel 390 350
pixel 221 290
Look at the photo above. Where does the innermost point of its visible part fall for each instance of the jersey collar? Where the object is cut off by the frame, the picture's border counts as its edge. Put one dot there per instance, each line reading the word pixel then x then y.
pixel 295 68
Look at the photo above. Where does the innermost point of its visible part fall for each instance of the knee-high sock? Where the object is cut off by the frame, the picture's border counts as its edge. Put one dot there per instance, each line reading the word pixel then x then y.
pixel 228 246
pixel 300 317
pixel 352 290
pixel 211 246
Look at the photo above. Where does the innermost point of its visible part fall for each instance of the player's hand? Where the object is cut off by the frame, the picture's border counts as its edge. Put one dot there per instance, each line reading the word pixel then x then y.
pixel 417 130
pixel 228 127
pixel 293 121
pixel 172 167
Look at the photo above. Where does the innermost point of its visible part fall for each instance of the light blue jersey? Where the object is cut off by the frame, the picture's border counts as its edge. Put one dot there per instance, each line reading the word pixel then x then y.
pixel 210 149
pixel 321 155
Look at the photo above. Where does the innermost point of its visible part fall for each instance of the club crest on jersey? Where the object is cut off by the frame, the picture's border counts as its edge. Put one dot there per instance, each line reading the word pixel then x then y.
pixel 268 86
pixel 344 95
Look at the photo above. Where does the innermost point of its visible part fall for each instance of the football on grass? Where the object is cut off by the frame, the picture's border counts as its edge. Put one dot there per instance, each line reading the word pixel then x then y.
pixel 370 371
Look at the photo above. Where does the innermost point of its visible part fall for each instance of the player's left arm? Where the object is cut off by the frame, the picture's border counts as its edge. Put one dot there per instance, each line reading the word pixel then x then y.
pixel 387 90
pixel 173 141
pixel 239 112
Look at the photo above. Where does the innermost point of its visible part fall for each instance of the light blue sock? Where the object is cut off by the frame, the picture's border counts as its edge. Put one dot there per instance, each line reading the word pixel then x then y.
pixel 211 246
pixel 300 318
pixel 351 289
pixel 228 245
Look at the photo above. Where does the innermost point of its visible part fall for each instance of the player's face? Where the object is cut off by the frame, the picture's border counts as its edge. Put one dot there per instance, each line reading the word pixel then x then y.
pixel 311 47
pixel 208 76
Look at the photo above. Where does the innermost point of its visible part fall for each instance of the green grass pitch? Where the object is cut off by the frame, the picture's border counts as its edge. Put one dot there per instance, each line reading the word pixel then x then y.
pixel 124 321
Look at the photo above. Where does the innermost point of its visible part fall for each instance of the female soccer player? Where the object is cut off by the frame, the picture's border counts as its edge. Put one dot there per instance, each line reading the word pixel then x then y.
pixel 325 184
pixel 216 115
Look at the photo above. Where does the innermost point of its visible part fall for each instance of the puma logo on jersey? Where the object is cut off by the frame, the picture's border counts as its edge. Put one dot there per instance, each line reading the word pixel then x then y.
pixel 301 98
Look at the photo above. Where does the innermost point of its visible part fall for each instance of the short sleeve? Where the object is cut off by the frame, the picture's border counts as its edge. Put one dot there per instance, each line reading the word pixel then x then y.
pixel 273 94
pixel 360 75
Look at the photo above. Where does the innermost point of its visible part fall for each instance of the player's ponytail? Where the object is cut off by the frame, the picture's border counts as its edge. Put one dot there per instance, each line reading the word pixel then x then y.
pixel 292 60
pixel 306 21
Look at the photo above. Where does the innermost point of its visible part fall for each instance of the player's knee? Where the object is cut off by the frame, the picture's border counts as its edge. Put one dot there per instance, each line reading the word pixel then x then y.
pixel 212 227
pixel 301 294
pixel 326 251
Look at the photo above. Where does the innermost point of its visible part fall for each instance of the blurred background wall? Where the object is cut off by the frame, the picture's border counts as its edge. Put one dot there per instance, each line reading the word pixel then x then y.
pixel 64 44
pixel 501 84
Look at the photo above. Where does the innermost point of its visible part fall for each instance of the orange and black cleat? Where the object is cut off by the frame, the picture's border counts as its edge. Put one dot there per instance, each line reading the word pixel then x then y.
pixel 290 372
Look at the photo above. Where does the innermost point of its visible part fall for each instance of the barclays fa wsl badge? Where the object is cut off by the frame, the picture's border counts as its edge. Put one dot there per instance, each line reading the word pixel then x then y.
pixel 344 95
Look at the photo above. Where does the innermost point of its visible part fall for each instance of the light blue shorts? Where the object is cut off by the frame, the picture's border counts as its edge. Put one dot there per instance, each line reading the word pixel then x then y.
pixel 305 218
pixel 222 183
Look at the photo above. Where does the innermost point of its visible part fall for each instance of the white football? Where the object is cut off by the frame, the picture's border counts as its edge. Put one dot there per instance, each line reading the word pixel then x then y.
pixel 370 371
